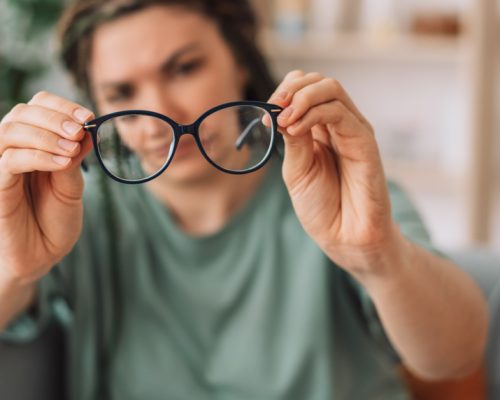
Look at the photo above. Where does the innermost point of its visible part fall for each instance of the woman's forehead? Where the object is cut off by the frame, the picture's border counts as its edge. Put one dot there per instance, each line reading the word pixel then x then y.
pixel 147 37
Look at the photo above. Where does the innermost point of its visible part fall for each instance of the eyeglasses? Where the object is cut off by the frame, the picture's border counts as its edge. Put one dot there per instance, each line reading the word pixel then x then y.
pixel 136 146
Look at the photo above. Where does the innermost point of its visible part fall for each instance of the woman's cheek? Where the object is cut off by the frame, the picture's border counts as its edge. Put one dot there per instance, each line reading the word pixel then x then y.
pixel 133 140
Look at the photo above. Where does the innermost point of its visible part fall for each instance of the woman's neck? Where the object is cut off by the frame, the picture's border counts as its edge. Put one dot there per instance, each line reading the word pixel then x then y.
pixel 204 207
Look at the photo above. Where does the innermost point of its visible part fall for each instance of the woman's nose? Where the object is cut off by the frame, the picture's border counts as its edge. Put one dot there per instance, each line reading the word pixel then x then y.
pixel 170 106
pixel 154 127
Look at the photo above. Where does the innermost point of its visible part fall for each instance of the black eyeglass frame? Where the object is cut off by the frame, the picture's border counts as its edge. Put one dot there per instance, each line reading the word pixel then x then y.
pixel 272 109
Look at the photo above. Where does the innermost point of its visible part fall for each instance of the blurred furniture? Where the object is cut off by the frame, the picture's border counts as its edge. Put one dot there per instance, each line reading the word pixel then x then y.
pixel 430 98
pixel 484 268
pixel 472 387
pixel 35 371
pixel 484 383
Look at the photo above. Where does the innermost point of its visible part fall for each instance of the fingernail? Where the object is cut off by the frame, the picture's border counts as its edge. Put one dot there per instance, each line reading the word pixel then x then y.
pixel 61 160
pixel 67 145
pixel 285 114
pixel 71 128
pixel 82 114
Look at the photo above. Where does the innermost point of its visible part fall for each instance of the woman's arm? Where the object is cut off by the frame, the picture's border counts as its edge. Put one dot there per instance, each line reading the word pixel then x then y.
pixel 434 315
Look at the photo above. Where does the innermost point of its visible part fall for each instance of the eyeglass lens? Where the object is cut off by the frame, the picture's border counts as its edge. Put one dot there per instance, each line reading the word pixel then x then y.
pixel 136 147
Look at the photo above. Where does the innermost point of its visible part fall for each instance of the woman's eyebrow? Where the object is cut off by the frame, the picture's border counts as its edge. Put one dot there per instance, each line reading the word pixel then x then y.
pixel 172 59
pixel 166 65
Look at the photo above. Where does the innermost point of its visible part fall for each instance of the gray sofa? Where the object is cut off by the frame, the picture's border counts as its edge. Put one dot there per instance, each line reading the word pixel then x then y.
pixel 35 371
pixel 484 268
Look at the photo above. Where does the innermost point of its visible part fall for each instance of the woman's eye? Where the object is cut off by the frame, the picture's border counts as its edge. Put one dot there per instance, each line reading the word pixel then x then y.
pixel 187 67
pixel 129 118
pixel 121 93
pixel 115 98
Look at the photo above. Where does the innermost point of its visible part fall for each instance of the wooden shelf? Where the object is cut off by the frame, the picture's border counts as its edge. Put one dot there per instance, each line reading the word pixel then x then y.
pixel 469 58
pixel 358 47
pixel 424 176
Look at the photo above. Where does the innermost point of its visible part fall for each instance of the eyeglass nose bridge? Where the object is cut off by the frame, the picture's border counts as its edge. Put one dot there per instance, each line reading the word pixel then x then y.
pixel 187 130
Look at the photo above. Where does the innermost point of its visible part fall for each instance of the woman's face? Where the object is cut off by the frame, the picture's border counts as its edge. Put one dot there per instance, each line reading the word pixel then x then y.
pixel 172 61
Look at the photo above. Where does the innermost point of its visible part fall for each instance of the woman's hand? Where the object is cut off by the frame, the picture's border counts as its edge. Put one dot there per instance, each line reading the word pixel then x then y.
pixel 335 178
pixel 42 144
pixel 333 171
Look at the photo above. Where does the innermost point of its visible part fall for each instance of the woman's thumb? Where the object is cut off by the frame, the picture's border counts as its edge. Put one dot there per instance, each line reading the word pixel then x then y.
pixel 299 156
pixel 69 182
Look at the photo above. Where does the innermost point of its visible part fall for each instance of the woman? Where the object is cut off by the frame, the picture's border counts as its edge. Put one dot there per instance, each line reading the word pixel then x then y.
pixel 200 283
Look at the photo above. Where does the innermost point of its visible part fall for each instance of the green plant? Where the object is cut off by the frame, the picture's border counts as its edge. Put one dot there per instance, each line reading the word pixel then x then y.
pixel 26 28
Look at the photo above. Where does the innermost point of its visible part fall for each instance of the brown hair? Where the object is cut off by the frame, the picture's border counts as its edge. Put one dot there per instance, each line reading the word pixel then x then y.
pixel 235 20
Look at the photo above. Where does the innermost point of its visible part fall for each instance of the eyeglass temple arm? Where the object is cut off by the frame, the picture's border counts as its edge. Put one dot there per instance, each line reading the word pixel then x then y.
pixel 243 136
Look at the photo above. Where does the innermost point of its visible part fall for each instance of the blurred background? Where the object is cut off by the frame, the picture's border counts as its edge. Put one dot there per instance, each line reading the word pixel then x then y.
pixel 422 72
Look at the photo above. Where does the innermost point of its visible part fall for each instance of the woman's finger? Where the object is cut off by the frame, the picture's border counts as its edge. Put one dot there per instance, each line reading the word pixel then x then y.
pixel 20 135
pixel 298 157
pixel 332 113
pixel 304 99
pixel 67 181
pixel 20 161
pixel 339 93
pixel 347 135
pixel 322 91
pixel 53 102
pixel 292 83
pixel 45 118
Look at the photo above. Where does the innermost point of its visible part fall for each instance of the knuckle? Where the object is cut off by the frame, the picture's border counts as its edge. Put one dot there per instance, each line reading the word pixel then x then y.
pixel 4 133
pixel 6 158
pixel 38 157
pixel 17 110
pixel 4 165
pixel 314 76
pixel 337 119
pixel 333 83
pixel 6 118
pixel 41 141
pixel 337 112
pixel 294 74
pixel 40 96
pixel 5 128
pixel 53 118
pixel 303 99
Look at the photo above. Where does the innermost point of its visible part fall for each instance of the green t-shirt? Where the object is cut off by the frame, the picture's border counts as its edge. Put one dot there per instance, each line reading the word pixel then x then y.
pixel 255 311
